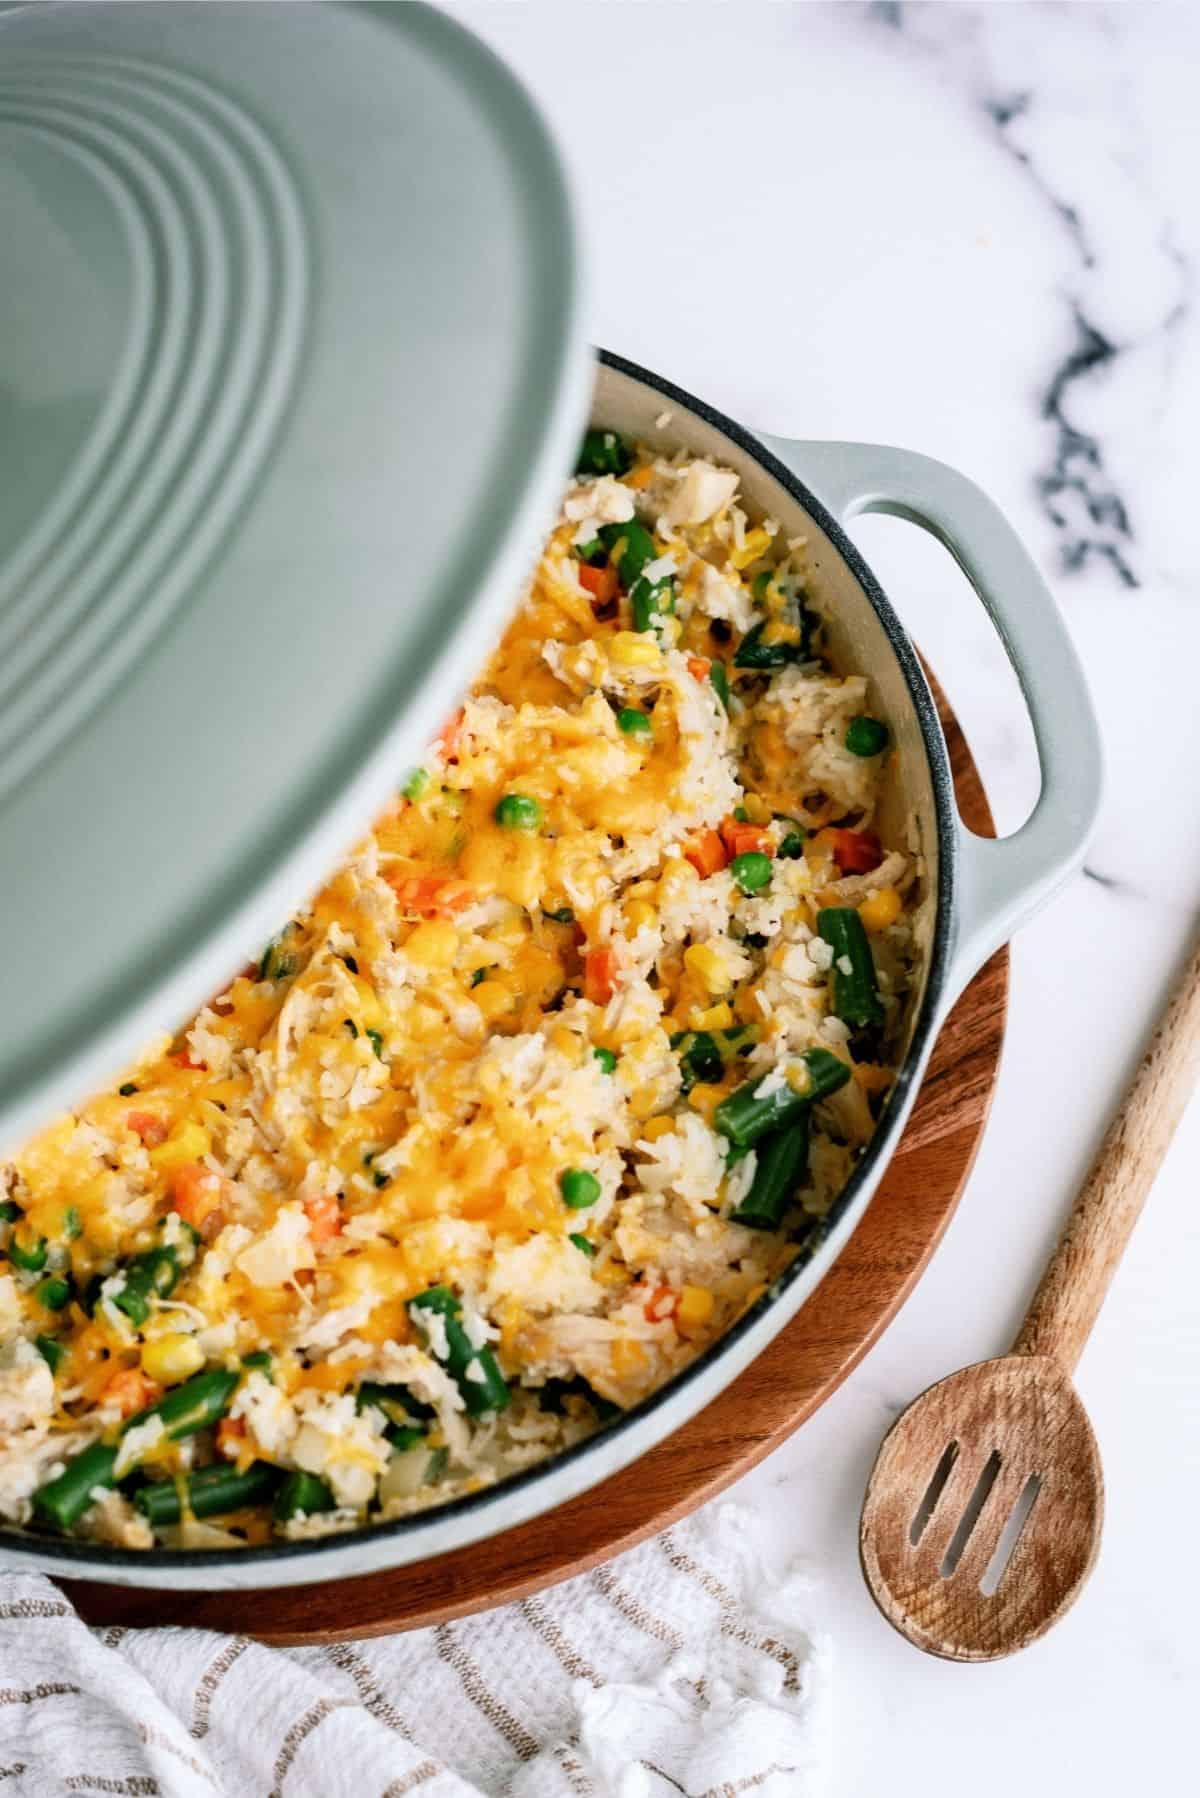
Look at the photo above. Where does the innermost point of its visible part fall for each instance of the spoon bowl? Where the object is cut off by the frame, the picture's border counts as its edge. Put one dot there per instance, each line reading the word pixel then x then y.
pixel 983 1513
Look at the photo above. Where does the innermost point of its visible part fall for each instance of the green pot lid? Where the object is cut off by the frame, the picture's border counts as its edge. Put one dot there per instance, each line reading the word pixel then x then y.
pixel 289 374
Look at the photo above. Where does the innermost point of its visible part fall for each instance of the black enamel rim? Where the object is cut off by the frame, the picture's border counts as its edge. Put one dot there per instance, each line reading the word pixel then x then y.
pixel 476 1504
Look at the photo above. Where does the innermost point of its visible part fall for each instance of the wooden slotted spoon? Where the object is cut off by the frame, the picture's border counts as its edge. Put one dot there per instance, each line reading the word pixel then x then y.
pixel 983 1512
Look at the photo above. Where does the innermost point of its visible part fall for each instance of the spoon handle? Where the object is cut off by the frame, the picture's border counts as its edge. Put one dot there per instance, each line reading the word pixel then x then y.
pixel 1072 1290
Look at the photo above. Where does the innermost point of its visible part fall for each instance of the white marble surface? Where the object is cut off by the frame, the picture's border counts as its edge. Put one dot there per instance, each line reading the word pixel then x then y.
pixel 971 230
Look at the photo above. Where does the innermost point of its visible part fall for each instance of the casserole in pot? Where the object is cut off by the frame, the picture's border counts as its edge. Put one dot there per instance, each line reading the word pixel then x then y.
pixel 954 899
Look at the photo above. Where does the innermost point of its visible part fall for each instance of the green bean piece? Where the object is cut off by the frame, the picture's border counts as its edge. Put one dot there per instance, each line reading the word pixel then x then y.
pixel 855 988
pixel 152 1275
pixel 302 1494
pixel 376 1041
pixel 417 784
pixel 583 1243
pixel 61 1502
pixel 603 452
pixel 744 1116
pixel 52 1351
pixel 209 1492
pixel 754 652
pixel 128 1089
pixel 516 811
pixel 607 1060
pixel 277 963
pixel 72 1224
pixel 478 977
pixel 475 1371
pixel 562 914
pixel 719 677
pixel 591 552
pixel 760 583
pixel 10 1211
pixel 781 1160
pixel 258 1361
pixel 633 546
pixel 699 1060
pixel 405 1418
pixel 752 871
pixel 650 601
pixel 31 1259
pixel 199 1402
pixel 866 736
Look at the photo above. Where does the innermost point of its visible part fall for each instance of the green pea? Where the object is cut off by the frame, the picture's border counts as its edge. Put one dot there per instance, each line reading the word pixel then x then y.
pixel 416 784
pixel 52 1351
pixel 516 811
pixel 607 1060
pixel 53 1292
pixel 10 1211
pixel 579 1188
pixel 792 847
pixel 866 736
pixel 634 723
pixel 752 871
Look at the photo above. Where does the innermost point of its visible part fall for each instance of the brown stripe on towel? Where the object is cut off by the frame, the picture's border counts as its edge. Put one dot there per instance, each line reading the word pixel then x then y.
pixel 484 1700
pixel 299 1733
pixel 564 1652
pixel 210 1679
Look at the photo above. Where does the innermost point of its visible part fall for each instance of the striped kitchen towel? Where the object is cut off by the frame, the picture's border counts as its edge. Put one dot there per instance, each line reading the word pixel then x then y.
pixel 686 1666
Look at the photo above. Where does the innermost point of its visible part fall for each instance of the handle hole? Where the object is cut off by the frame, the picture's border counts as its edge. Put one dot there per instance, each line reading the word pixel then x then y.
pixel 946 620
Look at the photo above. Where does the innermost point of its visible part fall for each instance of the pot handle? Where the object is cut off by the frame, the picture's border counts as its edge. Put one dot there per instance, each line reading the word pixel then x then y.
pixel 1001 881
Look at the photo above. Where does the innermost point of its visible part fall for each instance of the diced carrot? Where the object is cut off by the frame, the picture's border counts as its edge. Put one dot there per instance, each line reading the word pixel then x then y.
pixel 601 583
pixel 128 1391
pixel 231 1437
pixel 324 1217
pixel 741 839
pixel 432 895
pixel 449 734
pixel 641 476
pixel 856 851
pixel 699 667
pixel 196 1196
pixel 183 1058
pixel 662 1304
pixel 599 975
pixel 149 1126
pixel 706 853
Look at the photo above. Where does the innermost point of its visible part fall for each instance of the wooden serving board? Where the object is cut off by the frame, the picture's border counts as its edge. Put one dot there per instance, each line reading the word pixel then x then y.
pixel 798 1371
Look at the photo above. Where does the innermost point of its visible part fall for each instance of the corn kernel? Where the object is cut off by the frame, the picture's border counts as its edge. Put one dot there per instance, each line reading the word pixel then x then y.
pixel 746 1006
pixel 639 912
pixel 670 630
pixel 705 1100
pixel 709 967
pixel 756 808
pixel 656 1127
pixel 872 1079
pixel 717 1017
pixel 634 650
pixel 644 1099
pixel 187 1142
pixel 171 1358
pixel 779 630
pixel 493 998
pixel 880 909
pixel 695 1307
pixel 432 944
pixel 641 476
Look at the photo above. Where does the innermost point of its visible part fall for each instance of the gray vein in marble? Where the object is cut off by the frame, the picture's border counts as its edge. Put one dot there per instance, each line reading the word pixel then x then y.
pixel 1078 492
